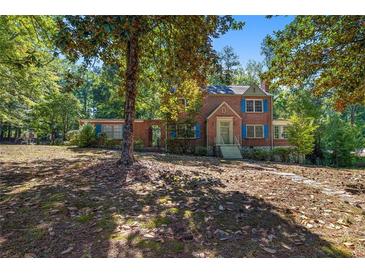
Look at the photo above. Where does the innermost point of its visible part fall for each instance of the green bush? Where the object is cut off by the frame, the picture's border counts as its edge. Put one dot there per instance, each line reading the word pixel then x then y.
pixel 201 151
pixel 283 154
pixel 72 137
pixel 180 146
pixel 257 154
pixel 102 139
pixel 87 136
pixel 340 141
pixel 138 144
pixel 113 143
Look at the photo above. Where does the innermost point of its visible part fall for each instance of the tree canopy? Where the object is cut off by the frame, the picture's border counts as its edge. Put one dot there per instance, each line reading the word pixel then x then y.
pixel 326 52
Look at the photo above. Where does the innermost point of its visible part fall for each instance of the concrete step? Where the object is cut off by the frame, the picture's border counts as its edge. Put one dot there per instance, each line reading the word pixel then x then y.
pixel 230 152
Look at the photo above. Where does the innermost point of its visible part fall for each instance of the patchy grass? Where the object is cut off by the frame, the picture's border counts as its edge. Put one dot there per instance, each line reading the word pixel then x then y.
pixel 173 206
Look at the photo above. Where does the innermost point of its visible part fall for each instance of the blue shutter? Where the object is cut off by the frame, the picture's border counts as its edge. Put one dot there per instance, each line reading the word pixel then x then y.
pixel 197 131
pixel 97 129
pixel 173 133
pixel 244 133
pixel 266 131
pixel 266 105
pixel 243 105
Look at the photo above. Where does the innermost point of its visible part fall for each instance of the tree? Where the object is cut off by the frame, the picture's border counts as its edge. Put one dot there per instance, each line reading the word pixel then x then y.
pixel 341 140
pixel 225 66
pixel 327 52
pixel 28 70
pixel 182 45
pixel 57 113
pixel 301 135
pixel 249 75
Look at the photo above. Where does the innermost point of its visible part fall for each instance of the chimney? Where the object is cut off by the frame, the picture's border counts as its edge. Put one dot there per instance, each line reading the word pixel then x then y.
pixel 265 86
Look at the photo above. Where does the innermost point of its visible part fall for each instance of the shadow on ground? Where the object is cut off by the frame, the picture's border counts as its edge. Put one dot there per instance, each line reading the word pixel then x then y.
pixel 68 208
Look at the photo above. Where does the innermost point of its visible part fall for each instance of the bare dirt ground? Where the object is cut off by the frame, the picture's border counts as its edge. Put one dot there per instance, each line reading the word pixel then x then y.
pixel 69 202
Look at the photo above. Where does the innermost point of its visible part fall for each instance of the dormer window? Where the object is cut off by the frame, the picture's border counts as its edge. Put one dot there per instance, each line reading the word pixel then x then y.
pixel 254 105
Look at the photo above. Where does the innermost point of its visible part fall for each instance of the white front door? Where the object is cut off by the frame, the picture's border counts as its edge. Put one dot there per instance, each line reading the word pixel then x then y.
pixel 224 130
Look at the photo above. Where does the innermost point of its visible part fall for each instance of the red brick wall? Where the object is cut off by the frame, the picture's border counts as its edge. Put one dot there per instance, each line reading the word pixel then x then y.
pixel 258 118
pixel 141 128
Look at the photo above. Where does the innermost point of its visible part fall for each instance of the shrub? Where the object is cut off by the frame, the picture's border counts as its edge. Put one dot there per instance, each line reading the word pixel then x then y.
pixel 257 154
pixel 341 141
pixel 180 146
pixel 87 136
pixel 301 135
pixel 72 137
pixel 283 154
pixel 138 144
pixel 201 151
pixel 102 139
pixel 113 143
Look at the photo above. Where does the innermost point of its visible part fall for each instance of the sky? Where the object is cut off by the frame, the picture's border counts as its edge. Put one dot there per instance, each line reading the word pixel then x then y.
pixel 247 42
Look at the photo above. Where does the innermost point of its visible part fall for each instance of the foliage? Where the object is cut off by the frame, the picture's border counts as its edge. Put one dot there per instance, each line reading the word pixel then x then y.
pixel 175 47
pixel 327 52
pixel 73 137
pixel 201 151
pixel 341 141
pixel 228 62
pixel 138 144
pixel 301 134
pixel 58 112
pixel 283 154
pixel 257 154
pixel 172 106
pixel 28 69
pixel 249 75
pixel 87 136
pixel 180 146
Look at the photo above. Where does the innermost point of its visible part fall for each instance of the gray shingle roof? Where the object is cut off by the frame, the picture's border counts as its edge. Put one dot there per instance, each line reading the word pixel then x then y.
pixel 227 89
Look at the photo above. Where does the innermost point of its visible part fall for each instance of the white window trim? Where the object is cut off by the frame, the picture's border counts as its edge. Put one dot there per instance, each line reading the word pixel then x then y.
pixel 281 130
pixel 255 125
pixel 177 136
pixel 254 106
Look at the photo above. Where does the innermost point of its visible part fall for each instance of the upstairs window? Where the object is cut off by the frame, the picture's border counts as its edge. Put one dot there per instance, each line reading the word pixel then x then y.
pixel 254 105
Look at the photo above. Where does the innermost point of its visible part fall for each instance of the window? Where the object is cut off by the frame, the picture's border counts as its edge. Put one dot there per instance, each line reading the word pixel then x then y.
pixel 255 131
pixel 258 106
pixel 118 132
pixel 276 132
pixel 108 130
pixel 249 106
pixel 183 131
pixel 254 105
pixel 113 131
pixel 280 132
pixel 259 131
pixel 284 133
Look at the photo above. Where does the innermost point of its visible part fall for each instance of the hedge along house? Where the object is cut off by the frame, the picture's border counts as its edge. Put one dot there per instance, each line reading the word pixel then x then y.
pixel 231 117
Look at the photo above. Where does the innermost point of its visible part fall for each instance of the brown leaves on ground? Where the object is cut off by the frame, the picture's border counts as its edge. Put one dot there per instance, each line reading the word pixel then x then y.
pixel 66 202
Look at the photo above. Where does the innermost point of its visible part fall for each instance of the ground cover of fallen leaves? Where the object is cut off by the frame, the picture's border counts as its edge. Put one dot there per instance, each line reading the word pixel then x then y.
pixel 70 202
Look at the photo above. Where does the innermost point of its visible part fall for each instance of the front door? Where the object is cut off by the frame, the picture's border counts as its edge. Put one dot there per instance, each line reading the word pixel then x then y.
pixel 224 130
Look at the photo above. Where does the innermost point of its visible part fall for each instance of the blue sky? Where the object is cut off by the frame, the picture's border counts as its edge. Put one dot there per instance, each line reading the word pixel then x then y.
pixel 247 42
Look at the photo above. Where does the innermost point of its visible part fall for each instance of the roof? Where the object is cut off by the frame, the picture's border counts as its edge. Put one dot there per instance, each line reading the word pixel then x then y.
pixel 238 90
pixel 234 90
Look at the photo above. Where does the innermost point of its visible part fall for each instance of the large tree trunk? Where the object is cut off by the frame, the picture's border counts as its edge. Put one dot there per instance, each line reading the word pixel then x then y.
pixel 127 157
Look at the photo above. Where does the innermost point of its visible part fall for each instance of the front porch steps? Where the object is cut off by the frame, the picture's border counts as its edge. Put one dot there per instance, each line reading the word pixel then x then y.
pixel 231 152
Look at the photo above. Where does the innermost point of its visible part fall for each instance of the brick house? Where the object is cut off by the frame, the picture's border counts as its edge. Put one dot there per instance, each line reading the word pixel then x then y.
pixel 230 116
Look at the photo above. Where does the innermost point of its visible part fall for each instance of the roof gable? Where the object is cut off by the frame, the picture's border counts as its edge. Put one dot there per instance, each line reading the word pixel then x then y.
pixel 255 90
pixel 224 103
